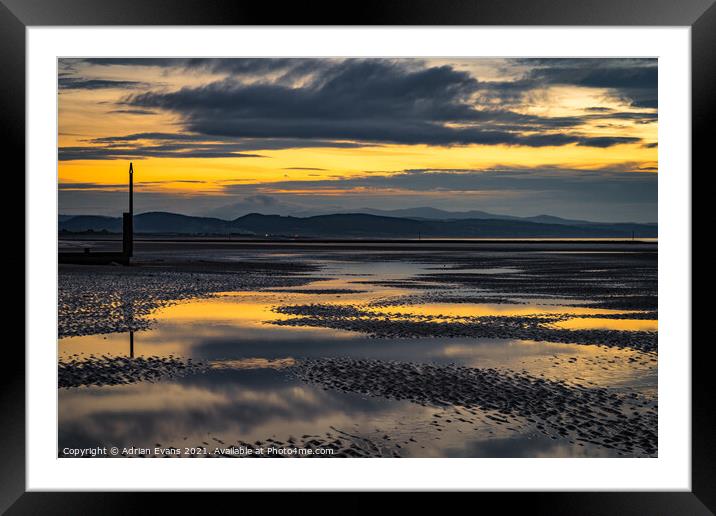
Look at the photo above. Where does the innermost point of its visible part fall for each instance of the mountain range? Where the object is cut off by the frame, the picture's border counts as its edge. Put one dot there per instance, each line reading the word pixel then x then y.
pixel 406 223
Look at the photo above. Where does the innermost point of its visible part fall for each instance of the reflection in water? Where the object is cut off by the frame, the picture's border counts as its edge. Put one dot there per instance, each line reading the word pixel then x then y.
pixel 486 309
pixel 597 323
pixel 253 363
pixel 247 395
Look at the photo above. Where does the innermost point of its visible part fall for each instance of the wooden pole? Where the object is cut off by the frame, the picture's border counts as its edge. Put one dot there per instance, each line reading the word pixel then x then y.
pixel 128 221
pixel 131 190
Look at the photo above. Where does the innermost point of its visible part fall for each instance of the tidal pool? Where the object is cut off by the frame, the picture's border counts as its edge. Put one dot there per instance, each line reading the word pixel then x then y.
pixel 246 392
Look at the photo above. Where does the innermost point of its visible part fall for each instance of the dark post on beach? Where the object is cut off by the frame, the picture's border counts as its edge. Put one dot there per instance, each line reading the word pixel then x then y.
pixel 128 219
pixel 131 189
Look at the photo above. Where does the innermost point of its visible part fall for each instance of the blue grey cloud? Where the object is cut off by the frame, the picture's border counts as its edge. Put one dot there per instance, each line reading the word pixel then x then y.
pixel 387 101
pixel 78 83
pixel 182 145
pixel 627 181
pixel 633 80
pixel 353 102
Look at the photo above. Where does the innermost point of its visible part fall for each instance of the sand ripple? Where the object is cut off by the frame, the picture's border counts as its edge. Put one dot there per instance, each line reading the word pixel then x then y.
pixel 599 416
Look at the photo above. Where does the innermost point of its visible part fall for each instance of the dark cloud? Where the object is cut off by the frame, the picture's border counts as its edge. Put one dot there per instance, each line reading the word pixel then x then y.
pixel 76 83
pixel 641 117
pixel 192 138
pixel 369 101
pixel 121 61
pixel 508 178
pixel 236 65
pixel 632 80
pixel 606 141
pixel 131 112
pixel 122 186
pixel 182 145
pixel 602 73
pixel 182 150
pixel 649 102
pixel 280 69
pixel 354 102
pixel 148 136
pixel 90 186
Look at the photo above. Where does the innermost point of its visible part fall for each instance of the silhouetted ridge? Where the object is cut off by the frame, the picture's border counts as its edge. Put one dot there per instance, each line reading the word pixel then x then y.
pixel 356 225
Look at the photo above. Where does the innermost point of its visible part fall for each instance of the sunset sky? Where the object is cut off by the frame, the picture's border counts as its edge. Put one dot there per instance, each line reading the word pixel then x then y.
pixel 573 138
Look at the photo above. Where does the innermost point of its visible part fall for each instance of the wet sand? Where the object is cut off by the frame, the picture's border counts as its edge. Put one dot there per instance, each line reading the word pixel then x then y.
pixel 407 325
pixel 106 299
pixel 626 423
pixel 516 316
pixel 105 370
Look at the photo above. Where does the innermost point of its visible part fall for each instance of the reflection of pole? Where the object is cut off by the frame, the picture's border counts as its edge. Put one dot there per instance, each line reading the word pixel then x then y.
pixel 128 309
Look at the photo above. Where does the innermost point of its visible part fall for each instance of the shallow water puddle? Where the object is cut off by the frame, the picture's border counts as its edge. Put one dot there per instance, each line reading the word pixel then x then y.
pixel 487 270
pixel 486 309
pixel 596 323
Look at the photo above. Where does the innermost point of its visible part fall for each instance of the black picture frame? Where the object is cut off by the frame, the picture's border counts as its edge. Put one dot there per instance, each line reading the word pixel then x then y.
pixel 17 15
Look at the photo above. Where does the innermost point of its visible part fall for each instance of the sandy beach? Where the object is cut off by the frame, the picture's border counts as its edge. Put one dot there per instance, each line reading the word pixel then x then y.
pixel 400 349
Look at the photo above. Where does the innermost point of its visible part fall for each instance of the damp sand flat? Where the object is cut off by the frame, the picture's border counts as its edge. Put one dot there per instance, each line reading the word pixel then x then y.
pixel 241 317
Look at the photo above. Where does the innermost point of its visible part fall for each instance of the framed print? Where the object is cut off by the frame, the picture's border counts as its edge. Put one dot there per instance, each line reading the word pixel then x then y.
pixel 431 248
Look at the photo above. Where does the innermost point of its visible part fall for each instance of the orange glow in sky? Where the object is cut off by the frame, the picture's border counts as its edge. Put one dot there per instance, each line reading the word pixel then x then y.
pixel 217 129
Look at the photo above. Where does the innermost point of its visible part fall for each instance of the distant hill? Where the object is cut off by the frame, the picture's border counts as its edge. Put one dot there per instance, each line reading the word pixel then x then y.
pixel 436 214
pixel 81 223
pixel 239 209
pixel 358 225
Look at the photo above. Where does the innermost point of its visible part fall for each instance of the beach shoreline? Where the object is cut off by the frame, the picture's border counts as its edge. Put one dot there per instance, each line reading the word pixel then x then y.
pixel 500 304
